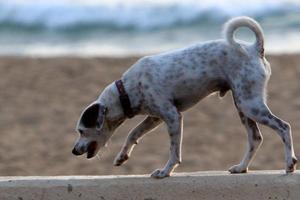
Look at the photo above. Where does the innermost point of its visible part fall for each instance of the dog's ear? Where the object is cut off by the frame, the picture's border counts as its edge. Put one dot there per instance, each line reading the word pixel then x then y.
pixel 93 116
pixel 90 115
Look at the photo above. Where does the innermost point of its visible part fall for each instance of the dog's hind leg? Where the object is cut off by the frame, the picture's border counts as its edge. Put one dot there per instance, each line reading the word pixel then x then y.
pixel 173 119
pixel 257 110
pixel 254 141
pixel 147 125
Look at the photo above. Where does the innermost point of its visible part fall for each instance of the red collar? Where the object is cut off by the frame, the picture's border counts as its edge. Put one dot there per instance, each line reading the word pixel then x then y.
pixel 124 99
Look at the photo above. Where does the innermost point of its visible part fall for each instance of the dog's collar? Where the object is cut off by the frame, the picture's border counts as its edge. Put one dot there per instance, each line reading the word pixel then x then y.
pixel 124 99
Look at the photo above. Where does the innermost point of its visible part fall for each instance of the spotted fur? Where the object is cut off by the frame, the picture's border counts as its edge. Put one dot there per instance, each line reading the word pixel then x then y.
pixel 164 85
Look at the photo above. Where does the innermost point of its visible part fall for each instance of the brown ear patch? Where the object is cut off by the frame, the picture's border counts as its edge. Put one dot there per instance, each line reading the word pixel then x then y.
pixel 90 116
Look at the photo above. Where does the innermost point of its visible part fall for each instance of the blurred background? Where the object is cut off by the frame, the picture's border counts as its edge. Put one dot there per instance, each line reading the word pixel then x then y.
pixel 118 27
pixel 57 56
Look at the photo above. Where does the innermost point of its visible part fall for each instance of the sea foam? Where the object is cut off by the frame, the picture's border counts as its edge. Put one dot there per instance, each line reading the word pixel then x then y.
pixel 138 15
pixel 98 27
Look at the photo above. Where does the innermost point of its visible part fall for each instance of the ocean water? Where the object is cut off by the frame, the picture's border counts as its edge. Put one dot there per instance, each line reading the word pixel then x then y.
pixel 124 27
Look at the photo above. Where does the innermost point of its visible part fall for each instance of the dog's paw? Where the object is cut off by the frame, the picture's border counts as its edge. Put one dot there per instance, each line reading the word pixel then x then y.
pixel 291 167
pixel 236 169
pixel 120 159
pixel 159 174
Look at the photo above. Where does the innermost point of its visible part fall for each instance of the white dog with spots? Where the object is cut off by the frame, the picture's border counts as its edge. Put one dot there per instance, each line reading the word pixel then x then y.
pixel 162 86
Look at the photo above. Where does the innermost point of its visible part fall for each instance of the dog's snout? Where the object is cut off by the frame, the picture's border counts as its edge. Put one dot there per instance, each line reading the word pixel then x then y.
pixel 75 152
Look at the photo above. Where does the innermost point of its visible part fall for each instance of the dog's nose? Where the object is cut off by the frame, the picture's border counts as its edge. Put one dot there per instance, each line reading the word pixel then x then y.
pixel 75 152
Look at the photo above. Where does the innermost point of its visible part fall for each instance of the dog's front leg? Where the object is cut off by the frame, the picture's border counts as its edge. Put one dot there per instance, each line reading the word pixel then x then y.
pixel 132 139
pixel 173 119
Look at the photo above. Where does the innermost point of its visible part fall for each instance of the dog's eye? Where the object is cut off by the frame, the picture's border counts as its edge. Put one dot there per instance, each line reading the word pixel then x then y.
pixel 80 131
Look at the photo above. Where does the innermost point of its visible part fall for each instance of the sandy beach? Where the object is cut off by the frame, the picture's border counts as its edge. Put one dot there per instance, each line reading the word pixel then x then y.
pixel 41 99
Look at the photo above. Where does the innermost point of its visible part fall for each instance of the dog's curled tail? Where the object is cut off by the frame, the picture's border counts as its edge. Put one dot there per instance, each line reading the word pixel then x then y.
pixel 232 25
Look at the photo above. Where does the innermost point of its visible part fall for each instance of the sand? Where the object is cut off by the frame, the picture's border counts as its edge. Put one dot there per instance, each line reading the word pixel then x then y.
pixel 41 99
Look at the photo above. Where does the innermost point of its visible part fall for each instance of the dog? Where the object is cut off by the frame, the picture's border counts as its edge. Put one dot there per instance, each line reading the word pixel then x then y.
pixel 164 85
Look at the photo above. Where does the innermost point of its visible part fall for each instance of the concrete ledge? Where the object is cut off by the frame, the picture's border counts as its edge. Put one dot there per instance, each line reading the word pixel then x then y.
pixel 201 185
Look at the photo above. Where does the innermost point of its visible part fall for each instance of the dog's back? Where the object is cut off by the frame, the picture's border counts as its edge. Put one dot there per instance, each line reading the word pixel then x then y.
pixel 189 74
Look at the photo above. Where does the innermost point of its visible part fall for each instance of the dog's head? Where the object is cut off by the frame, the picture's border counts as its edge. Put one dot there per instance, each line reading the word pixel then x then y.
pixel 94 130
